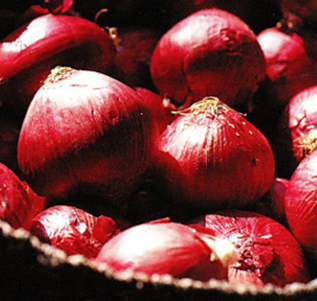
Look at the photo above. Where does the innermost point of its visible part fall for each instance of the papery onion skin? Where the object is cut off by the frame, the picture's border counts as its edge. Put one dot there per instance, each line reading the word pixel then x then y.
pixel 301 203
pixel 288 64
pixel 73 230
pixel 85 131
pixel 211 52
pixel 212 157
pixel 267 251
pixel 15 206
pixel 161 248
pixel 30 52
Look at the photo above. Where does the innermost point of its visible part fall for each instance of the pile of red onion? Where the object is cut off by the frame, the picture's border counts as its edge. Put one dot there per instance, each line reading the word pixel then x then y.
pixel 142 146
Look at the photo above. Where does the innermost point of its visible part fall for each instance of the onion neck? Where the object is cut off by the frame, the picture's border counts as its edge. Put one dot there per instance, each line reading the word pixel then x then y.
pixel 57 74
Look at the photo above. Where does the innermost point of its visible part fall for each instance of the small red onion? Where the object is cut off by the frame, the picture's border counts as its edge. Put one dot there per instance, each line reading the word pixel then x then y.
pixel 211 157
pixel 272 204
pixel 266 251
pixel 15 206
pixel 302 114
pixel 288 64
pixel 133 55
pixel 166 248
pixel 30 52
pixel 85 131
pixel 73 230
pixel 301 204
pixel 210 52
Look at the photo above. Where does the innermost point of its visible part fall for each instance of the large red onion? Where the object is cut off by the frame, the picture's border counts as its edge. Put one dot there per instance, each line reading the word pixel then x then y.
pixel 267 251
pixel 289 66
pixel 301 203
pixel 166 248
pixel 73 230
pixel 211 52
pixel 85 130
pixel 15 206
pixel 212 157
pixel 30 52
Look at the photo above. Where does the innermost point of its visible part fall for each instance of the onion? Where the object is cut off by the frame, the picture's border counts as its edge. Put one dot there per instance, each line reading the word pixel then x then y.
pixel 301 204
pixel 30 52
pixel 289 66
pixel 160 107
pixel 299 11
pixel 211 52
pixel 167 248
pixel 272 204
pixel 133 55
pixel 73 230
pixel 302 114
pixel 9 133
pixel 211 157
pixel 85 131
pixel 15 206
pixel 266 251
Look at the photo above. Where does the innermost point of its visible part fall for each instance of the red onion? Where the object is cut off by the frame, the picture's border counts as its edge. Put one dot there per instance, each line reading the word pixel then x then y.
pixel 301 203
pixel 288 64
pixel 167 248
pixel 267 251
pixel 302 114
pixel 299 10
pixel 37 204
pixel 211 157
pixel 272 204
pixel 9 133
pixel 15 206
pixel 160 107
pixel 133 55
pixel 85 131
pixel 211 52
pixel 30 52
pixel 73 230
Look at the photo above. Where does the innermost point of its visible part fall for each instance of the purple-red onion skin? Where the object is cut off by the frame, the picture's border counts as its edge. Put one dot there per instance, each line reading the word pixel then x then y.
pixel 161 108
pixel 86 130
pixel 288 64
pixel 267 251
pixel 160 248
pixel 301 203
pixel 30 52
pixel 73 230
pixel 15 206
pixel 272 204
pixel 213 161
pixel 211 52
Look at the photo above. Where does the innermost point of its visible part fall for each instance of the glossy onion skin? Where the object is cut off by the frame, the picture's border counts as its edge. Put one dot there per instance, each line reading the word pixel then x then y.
pixel 161 248
pixel 73 230
pixel 211 52
pixel 288 64
pixel 213 161
pixel 15 205
pixel 301 203
pixel 267 251
pixel 88 131
pixel 30 52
